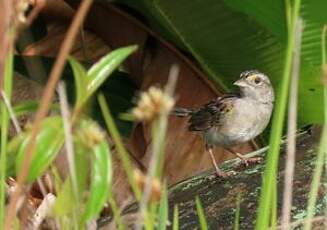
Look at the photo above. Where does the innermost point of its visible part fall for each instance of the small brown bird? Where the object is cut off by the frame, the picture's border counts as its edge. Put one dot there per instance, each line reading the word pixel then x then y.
pixel 234 118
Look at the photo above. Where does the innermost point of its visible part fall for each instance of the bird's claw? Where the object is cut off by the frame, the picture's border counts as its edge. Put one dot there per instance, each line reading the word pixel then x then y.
pixel 253 160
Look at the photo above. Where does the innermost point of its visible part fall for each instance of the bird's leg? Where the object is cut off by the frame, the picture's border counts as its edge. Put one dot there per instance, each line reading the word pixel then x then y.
pixel 219 172
pixel 245 160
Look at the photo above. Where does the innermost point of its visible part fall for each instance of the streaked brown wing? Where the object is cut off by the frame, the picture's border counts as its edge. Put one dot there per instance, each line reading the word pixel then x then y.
pixel 211 114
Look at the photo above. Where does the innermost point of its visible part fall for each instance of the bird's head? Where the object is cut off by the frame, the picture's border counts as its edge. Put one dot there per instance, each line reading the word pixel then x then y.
pixel 255 85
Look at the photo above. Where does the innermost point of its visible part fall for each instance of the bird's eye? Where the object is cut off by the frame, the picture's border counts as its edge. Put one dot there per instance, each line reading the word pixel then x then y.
pixel 257 80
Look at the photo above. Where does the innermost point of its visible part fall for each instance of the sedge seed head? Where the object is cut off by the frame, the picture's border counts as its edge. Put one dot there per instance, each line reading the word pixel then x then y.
pixel 152 104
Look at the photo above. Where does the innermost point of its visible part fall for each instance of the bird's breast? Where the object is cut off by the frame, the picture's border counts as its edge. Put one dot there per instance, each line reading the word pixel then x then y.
pixel 246 121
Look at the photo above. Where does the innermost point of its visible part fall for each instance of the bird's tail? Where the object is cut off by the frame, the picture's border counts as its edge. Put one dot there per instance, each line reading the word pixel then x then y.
pixel 182 112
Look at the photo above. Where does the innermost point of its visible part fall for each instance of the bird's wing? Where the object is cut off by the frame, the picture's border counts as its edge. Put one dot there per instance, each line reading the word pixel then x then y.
pixel 212 114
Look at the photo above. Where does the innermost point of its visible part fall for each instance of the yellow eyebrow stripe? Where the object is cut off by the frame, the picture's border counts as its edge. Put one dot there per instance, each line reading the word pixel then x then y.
pixel 252 77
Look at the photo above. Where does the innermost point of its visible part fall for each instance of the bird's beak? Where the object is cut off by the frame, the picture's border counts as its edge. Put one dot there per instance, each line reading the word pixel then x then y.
pixel 240 83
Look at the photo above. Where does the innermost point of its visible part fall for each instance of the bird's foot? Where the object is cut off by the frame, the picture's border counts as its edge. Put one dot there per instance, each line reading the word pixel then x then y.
pixel 253 160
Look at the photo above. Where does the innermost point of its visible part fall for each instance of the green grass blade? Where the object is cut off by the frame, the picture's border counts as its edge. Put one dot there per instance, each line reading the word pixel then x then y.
pixel 322 151
pixel 123 154
pixel 237 213
pixel 269 179
pixel 100 180
pixel 27 107
pixel 80 81
pixel 316 179
pixel 8 78
pixel 274 217
pixel 176 218
pixel 201 214
pixel 163 210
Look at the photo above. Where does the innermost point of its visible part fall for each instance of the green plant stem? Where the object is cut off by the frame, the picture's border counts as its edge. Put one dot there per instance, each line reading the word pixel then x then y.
pixel 176 220
pixel 158 132
pixel 322 151
pixel 237 212
pixel 8 74
pixel 163 209
pixel 269 180
pixel 201 214
pixel 112 129
pixel 316 179
pixel 273 220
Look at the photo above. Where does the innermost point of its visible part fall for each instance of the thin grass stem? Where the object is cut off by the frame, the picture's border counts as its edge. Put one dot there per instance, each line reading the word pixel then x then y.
pixel 123 154
pixel 322 150
pixel 158 132
pixel 269 179
pixel 237 212
pixel 8 78
pixel 291 129
pixel 45 105
pixel 176 218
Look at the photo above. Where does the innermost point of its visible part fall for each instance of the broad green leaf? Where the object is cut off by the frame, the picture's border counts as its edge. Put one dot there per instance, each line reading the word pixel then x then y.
pixel 228 37
pixel 317 11
pixel 80 80
pixel 101 70
pixel 154 20
pixel 201 214
pixel 100 180
pixel 48 143
pixel 270 14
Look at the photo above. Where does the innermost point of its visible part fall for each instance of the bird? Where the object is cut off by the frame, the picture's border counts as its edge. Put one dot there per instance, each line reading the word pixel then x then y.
pixel 233 118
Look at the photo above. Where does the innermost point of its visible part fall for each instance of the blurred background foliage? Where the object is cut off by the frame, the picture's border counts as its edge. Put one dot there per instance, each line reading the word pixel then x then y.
pixel 210 40
pixel 227 37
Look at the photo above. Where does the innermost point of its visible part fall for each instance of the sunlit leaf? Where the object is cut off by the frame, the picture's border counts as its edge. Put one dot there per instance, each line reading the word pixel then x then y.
pixel 100 180
pixel 101 70
pixel 48 143
pixel 80 80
